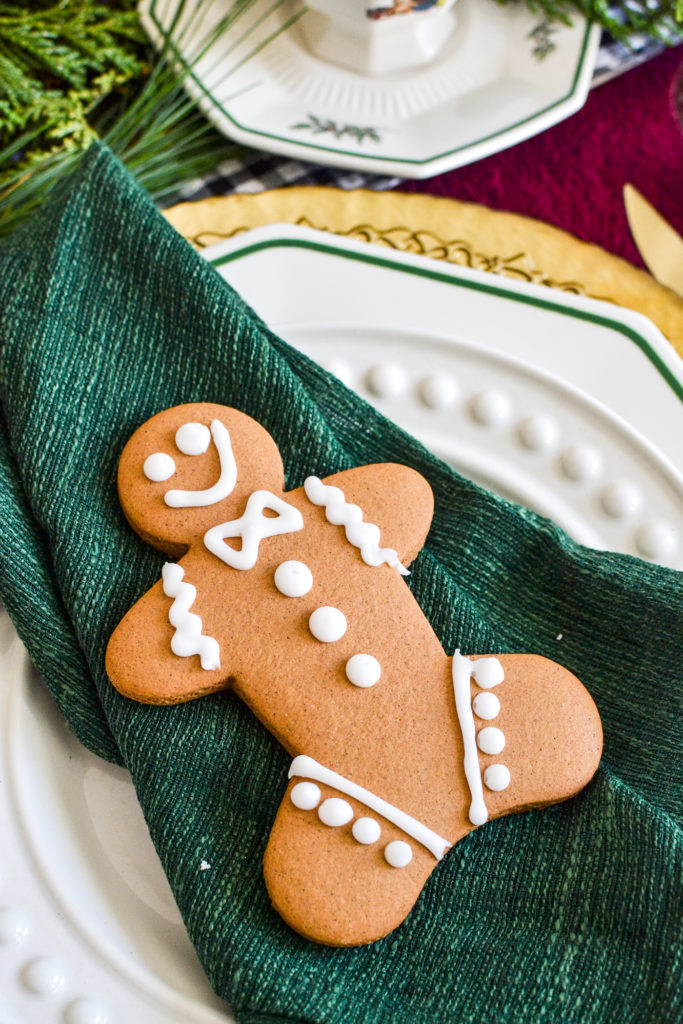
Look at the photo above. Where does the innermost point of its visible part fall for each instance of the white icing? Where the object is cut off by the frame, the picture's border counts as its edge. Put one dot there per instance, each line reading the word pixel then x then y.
pixel 335 812
pixel 491 740
pixel 364 536
pixel 307 768
pixel 327 624
pixel 188 638
pixel 462 672
pixel 158 467
pixel 363 670
pixel 293 579
pixel 305 796
pixel 193 438
pixel 226 480
pixel 486 706
pixel 497 777
pixel 487 672
pixel 366 831
pixel 398 854
pixel 253 527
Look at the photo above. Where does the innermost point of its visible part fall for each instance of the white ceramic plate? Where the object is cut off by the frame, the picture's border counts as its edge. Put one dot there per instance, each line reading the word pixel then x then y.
pixel 486 90
pixel 89 932
pixel 568 405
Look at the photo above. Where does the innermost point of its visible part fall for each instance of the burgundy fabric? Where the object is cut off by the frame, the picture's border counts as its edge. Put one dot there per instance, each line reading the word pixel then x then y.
pixel 572 175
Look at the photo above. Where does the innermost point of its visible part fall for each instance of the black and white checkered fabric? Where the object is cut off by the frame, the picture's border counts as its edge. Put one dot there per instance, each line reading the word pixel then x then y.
pixel 255 171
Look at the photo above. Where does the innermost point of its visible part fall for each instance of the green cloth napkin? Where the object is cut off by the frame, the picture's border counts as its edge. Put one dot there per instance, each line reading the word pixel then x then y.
pixel 573 914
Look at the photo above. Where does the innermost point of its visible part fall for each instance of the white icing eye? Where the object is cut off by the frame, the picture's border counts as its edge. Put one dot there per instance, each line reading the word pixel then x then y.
pixel 306 796
pixel 488 672
pixel 486 706
pixel 497 777
pixel 491 740
pixel 293 579
pixel 158 467
pixel 363 670
pixel 366 831
pixel 335 812
pixel 398 854
pixel 327 624
pixel 193 438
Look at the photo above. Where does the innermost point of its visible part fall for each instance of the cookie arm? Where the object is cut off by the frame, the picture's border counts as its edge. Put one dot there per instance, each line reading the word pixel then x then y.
pixel 140 659
pixel 395 498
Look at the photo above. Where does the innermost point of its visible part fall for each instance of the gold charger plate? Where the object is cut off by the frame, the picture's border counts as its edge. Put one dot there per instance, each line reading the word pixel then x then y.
pixel 446 229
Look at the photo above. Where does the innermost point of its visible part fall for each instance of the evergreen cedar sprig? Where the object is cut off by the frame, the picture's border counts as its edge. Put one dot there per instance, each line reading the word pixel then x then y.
pixel 57 60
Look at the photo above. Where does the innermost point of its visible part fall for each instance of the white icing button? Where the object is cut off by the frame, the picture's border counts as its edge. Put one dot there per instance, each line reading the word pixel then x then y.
pixel 488 672
pixel 580 463
pixel 363 670
pixel 490 408
pixel 386 380
pixel 86 1011
pixel 490 740
pixel 398 854
pixel 44 977
pixel 293 579
pixel 158 467
pixel 656 539
pixel 306 795
pixel 193 438
pixel 620 500
pixel 342 371
pixel 438 391
pixel 13 927
pixel 366 831
pixel 335 812
pixel 486 706
pixel 327 624
pixel 537 433
pixel 497 777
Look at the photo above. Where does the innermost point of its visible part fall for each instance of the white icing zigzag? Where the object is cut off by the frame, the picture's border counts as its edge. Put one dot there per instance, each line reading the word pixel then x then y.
pixel 364 536
pixel 188 638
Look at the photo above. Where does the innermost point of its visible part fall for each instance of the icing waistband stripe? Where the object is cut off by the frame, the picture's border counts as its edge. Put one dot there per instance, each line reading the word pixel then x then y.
pixel 462 673
pixel 306 768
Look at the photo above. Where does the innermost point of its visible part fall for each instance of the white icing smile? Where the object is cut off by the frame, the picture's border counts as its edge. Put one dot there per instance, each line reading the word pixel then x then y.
pixel 228 474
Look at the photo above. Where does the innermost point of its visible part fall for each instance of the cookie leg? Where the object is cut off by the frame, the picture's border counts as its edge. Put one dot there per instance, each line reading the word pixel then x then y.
pixel 344 883
pixel 533 728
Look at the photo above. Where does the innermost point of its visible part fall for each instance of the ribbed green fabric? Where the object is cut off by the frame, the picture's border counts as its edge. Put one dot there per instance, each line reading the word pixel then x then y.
pixel 573 914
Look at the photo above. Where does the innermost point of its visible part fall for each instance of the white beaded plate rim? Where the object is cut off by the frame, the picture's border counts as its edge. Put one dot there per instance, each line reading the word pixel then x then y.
pixel 259 90
pixel 586 436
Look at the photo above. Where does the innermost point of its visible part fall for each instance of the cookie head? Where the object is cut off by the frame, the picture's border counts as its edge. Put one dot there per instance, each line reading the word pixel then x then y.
pixel 191 467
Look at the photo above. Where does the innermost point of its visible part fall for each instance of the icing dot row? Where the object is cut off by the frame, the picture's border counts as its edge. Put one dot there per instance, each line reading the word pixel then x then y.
pixel 327 624
pixel 336 812
pixel 487 673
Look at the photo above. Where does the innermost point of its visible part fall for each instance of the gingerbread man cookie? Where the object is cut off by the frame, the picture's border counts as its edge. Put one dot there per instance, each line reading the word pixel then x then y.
pixel 297 601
